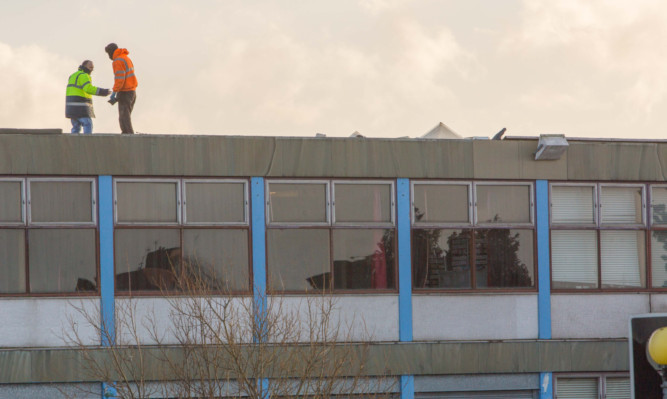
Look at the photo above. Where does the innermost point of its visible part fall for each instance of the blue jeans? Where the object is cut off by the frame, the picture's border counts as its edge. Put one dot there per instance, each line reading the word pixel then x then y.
pixel 86 123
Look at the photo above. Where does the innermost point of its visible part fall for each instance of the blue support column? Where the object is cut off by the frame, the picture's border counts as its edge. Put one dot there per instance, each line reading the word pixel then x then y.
pixel 404 276
pixel 543 260
pixel 105 206
pixel 543 277
pixel 257 201
pixel 546 386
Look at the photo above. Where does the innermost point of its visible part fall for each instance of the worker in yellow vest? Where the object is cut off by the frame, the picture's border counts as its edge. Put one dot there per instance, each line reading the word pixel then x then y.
pixel 79 101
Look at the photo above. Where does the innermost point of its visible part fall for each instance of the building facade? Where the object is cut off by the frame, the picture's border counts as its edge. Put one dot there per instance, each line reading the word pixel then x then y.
pixel 482 272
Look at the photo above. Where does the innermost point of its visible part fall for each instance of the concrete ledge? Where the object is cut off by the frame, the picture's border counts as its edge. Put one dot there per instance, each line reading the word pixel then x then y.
pixel 65 365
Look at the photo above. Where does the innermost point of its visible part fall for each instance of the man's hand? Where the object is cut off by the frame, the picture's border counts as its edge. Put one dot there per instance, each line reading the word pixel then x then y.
pixel 104 92
pixel 113 99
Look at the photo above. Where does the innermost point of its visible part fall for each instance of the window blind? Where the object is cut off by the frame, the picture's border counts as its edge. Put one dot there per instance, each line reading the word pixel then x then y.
pixel 575 259
pixel 577 388
pixel 620 255
pixel 618 388
pixel 572 205
pixel 621 205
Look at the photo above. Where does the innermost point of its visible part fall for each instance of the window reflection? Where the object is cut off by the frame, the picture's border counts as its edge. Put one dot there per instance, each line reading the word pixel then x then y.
pixel 62 260
pixel 363 259
pixel 219 256
pixel 146 258
pixel 441 258
pixel 503 258
pixel 298 259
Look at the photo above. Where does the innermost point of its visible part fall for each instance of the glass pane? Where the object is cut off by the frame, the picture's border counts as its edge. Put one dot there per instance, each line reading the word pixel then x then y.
pixel 441 258
pixel 441 203
pixel 659 259
pixel 362 202
pixel 10 202
pixel 220 256
pixel 659 205
pixel 297 203
pixel 298 259
pixel 621 205
pixel 572 205
pixel 504 258
pixel 62 260
pixel 215 202
pixel 503 204
pixel 574 259
pixel 618 388
pixel 577 388
pixel 61 201
pixel 623 256
pixel 146 258
pixel 146 202
pixel 363 259
pixel 12 261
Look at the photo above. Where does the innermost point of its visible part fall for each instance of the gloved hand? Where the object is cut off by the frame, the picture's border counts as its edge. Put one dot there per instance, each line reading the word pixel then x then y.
pixel 113 99
pixel 104 92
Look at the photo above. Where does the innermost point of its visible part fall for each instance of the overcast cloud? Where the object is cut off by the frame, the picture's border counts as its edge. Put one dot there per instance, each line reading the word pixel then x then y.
pixel 385 68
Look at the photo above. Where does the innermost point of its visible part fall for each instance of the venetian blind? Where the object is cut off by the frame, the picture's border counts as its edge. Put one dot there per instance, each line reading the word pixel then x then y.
pixel 577 388
pixel 620 255
pixel 572 205
pixel 620 205
pixel 618 388
pixel 574 260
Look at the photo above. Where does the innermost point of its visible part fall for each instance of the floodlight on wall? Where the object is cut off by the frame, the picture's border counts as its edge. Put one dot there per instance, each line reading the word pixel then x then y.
pixel 550 147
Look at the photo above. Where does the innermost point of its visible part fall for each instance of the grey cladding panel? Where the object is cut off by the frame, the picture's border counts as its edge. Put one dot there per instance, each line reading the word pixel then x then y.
pixel 614 161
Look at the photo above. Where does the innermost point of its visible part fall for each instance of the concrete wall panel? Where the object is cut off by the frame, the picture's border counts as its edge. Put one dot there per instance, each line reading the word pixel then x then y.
pixel 39 322
pixel 170 320
pixel 472 317
pixel 361 318
pixel 595 315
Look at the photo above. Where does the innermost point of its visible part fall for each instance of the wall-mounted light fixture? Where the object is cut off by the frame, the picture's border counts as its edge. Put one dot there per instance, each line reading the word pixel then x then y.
pixel 551 147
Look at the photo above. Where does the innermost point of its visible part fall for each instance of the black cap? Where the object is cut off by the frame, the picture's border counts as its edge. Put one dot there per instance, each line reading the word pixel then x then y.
pixel 110 48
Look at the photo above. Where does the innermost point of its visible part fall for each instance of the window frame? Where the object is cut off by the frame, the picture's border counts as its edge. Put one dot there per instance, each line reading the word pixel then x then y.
pixel 601 378
pixel 414 222
pixel 472 227
pixel 182 225
pixel 392 204
pixel 268 205
pixel 24 200
pixel 518 225
pixel 246 202
pixel 598 227
pixel 26 225
pixel 147 180
pixel 93 198
pixel 330 226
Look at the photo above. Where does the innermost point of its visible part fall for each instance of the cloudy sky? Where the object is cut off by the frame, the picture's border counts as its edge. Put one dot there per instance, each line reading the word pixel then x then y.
pixel 385 68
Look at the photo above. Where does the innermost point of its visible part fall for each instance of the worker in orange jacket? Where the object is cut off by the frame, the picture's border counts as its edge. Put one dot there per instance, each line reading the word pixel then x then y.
pixel 125 83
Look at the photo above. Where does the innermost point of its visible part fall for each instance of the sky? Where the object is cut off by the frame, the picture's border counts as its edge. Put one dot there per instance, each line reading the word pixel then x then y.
pixel 384 68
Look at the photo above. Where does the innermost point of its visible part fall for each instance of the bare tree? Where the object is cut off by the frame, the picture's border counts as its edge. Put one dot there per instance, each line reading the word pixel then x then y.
pixel 213 344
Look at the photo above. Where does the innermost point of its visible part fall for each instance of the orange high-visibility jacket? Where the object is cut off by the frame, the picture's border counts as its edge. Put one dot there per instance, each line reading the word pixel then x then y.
pixel 123 71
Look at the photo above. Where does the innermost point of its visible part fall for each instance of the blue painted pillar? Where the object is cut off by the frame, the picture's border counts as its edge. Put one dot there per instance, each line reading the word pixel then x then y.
pixel 258 227
pixel 404 276
pixel 543 262
pixel 543 277
pixel 107 312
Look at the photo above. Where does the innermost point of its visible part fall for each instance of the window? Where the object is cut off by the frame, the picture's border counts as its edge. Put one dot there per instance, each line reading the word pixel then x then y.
pixel 598 237
pixel 330 234
pixel 48 236
pixel 609 386
pixel 166 228
pixel 456 225
pixel 659 236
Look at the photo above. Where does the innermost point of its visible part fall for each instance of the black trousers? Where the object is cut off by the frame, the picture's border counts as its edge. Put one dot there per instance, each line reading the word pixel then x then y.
pixel 126 101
